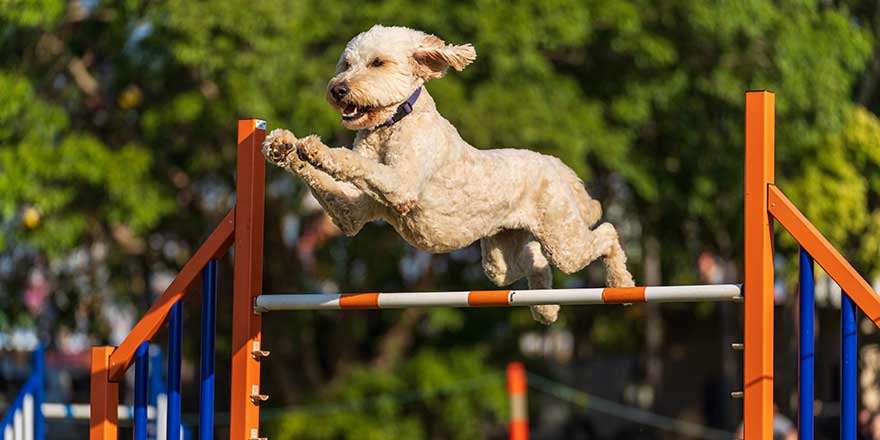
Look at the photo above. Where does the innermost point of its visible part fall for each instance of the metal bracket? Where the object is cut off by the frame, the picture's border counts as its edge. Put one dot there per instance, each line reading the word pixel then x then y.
pixel 738 346
pixel 737 394
pixel 257 353
pixel 256 397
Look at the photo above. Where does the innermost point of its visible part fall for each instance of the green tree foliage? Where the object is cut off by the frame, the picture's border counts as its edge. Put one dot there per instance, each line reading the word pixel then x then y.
pixel 117 128
pixel 434 395
pixel 840 189
pixel 72 179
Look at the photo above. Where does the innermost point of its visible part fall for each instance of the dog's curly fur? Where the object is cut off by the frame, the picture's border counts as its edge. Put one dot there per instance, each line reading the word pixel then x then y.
pixel 528 210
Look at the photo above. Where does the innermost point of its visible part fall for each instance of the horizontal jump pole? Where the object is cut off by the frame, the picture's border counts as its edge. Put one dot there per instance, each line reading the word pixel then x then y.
pixel 498 298
pixel 82 411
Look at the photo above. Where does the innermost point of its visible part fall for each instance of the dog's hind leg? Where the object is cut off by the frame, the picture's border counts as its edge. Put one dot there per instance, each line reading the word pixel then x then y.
pixel 501 255
pixel 509 256
pixel 540 277
pixel 571 253
pixel 569 243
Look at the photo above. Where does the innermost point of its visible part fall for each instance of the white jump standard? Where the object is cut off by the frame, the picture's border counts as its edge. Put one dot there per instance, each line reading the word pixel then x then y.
pixel 498 298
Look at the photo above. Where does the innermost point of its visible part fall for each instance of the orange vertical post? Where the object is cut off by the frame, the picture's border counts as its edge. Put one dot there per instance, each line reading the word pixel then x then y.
pixel 103 423
pixel 518 427
pixel 247 280
pixel 758 285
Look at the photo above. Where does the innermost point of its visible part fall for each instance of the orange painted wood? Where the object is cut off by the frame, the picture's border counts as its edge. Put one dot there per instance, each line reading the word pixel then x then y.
pixel 758 286
pixel 623 295
pixel 518 430
pixel 489 298
pixel 825 254
pixel 247 278
pixel 214 246
pixel 517 387
pixel 359 301
pixel 103 423
pixel 516 379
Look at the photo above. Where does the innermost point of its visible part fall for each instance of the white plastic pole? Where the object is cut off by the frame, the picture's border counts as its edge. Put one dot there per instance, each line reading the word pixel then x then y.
pixel 161 417
pixel 658 294
pixel 28 410
pixel 18 425
pixel 81 411
pixel 7 433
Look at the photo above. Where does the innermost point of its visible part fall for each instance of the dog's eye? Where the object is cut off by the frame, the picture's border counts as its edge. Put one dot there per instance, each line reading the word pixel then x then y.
pixel 344 66
pixel 377 63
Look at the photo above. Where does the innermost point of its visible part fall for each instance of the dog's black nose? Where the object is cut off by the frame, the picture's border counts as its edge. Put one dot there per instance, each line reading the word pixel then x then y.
pixel 339 91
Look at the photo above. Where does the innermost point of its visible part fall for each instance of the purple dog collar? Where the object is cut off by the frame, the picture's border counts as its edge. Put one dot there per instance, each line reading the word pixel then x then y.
pixel 404 109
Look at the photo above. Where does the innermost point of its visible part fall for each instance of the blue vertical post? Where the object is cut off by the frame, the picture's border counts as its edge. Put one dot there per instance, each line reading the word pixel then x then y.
pixel 39 392
pixel 848 368
pixel 141 386
pixel 806 358
pixel 175 330
pixel 209 316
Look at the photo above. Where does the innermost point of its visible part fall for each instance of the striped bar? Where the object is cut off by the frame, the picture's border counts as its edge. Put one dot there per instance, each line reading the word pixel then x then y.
pixel 497 298
pixel 518 427
pixel 806 316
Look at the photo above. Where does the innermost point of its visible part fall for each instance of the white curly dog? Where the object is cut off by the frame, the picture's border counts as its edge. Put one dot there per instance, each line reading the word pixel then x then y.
pixel 410 167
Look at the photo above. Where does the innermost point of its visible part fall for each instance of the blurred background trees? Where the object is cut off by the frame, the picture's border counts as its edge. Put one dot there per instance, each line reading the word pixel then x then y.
pixel 117 125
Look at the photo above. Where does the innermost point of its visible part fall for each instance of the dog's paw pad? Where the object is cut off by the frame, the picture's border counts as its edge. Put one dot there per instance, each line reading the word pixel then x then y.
pixel 309 148
pixel 278 145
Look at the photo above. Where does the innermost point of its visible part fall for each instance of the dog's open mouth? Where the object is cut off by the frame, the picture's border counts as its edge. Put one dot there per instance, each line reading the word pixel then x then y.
pixel 353 112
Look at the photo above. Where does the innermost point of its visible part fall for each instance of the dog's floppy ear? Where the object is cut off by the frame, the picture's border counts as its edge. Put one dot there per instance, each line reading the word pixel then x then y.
pixel 434 56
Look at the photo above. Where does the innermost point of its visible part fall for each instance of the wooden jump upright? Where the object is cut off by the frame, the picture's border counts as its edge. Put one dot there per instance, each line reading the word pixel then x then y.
pixel 244 225
pixel 244 410
pixel 758 267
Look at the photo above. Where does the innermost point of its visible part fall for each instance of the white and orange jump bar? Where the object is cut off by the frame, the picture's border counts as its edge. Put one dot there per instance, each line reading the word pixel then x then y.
pixel 498 298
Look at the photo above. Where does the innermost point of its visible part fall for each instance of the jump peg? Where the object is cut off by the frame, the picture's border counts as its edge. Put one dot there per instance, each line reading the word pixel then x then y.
pixel 258 354
pixel 256 397
pixel 738 346
pixel 736 395
pixel 256 436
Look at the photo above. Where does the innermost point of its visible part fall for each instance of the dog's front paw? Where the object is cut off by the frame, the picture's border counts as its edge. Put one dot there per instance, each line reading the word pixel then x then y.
pixel 311 150
pixel 278 146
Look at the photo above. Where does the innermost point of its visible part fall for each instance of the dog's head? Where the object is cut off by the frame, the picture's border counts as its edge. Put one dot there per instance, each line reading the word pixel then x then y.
pixel 380 68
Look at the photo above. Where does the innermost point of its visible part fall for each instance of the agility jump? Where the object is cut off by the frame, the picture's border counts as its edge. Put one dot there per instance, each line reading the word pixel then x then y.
pixel 498 298
pixel 243 228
